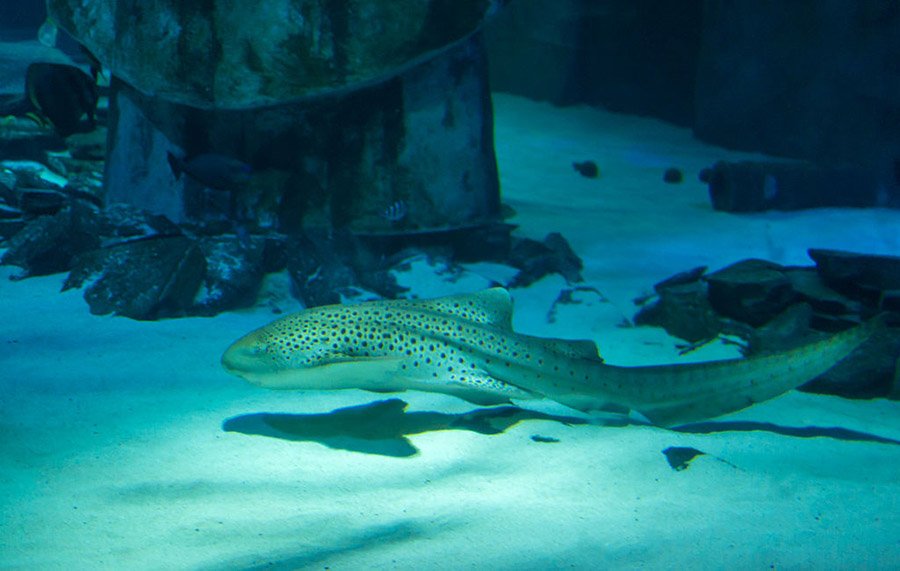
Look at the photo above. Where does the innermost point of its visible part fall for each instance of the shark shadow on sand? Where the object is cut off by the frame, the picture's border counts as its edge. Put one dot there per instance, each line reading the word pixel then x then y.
pixel 382 427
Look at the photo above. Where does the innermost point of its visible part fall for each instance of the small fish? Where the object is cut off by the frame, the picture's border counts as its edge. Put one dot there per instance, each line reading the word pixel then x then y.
pixel 464 345
pixel 212 170
pixel 395 212
pixel 62 96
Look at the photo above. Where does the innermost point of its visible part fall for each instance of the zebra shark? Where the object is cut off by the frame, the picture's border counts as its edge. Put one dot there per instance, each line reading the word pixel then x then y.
pixel 464 345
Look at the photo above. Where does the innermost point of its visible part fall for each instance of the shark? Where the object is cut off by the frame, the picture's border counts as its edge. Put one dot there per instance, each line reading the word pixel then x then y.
pixel 464 345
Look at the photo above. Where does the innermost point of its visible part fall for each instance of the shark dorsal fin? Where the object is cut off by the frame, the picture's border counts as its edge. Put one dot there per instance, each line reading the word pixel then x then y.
pixel 487 307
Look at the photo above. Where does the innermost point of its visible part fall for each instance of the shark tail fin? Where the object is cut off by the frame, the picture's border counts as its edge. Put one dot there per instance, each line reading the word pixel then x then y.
pixel 671 395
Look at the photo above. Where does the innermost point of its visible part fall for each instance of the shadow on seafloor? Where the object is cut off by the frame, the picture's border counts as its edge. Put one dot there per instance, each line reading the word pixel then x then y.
pixel 382 427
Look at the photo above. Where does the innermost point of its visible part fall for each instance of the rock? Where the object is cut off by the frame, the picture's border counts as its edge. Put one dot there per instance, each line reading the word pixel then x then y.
pixel 38 201
pixel 9 212
pixel 32 174
pixel 491 242
pixel 867 373
pixel 234 55
pixel 752 291
pixel 587 169
pixel 121 222
pixel 23 139
pixel 275 254
pixel 324 268
pixel 683 310
pixel 810 289
pixel 673 175
pixel 863 277
pixel 88 146
pixel 832 323
pixel 890 300
pixel 9 227
pixel 8 183
pixel 234 272
pixel 537 259
pixel 787 330
pixel 681 278
pixel 49 244
pixel 142 279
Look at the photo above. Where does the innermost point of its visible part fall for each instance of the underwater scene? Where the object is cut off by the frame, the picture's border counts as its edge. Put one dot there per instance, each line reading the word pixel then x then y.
pixel 449 284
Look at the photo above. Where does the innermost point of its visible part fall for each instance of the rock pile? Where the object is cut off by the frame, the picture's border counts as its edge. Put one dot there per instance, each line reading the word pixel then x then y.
pixel 774 307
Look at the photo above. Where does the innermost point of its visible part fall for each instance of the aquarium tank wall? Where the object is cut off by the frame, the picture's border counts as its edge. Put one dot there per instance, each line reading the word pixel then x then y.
pixel 449 284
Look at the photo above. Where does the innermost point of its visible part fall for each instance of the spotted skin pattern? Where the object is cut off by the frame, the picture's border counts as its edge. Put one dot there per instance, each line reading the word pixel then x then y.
pixel 464 345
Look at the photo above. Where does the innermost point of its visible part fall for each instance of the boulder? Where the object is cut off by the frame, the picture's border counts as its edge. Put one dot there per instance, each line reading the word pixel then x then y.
pixel 229 54
pixel 683 310
pixel 49 244
pixel 867 373
pixel 811 289
pixel 752 291
pixel 324 268
pixel 234 273
pixel 863 277
pixel 535 259
pixel 141 279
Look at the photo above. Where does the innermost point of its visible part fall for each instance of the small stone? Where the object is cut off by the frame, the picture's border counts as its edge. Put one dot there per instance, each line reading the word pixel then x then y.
pixel 673 176
pixel 587 169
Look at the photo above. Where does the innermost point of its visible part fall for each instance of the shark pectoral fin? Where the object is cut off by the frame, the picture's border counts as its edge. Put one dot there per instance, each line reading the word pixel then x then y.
pixel 479 387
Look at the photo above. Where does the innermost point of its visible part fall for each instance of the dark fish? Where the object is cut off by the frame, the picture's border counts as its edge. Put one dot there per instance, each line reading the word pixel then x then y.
pixel 62 96
pixel 212 170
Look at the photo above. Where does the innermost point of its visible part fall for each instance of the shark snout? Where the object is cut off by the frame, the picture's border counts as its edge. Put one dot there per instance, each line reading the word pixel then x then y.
pixel 243 356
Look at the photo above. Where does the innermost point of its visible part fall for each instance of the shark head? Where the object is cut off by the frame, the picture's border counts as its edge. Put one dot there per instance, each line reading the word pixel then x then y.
pixel 322 348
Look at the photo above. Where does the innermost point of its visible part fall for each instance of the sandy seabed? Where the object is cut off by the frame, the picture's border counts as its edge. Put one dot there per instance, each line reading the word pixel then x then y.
pixel 113 453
